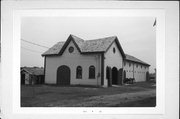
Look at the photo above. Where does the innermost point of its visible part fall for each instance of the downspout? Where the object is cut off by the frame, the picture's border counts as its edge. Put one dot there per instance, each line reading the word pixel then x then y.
pixel 98 65
pixel 102 69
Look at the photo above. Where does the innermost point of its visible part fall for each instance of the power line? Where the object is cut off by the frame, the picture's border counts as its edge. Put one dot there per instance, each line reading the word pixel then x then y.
pixel 34 43
pixel 31 50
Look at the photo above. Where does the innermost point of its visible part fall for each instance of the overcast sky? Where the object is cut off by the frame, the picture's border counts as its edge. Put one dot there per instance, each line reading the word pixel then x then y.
pixel 136 35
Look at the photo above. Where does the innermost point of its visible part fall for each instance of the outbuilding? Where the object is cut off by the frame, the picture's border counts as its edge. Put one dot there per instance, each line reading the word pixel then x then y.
pixel 32 75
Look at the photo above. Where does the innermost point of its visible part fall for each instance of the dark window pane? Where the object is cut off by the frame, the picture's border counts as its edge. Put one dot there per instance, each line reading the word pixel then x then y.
pixel 79 72
pixel 114 50
pixel 91 72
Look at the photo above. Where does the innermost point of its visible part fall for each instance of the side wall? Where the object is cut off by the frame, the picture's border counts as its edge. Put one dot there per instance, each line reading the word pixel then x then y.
pixel 72 60
pixel 135 70
pixel 112 60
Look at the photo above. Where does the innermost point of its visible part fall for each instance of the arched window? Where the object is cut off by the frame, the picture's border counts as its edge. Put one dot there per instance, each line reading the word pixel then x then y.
pixel 79 72
pixel 91 72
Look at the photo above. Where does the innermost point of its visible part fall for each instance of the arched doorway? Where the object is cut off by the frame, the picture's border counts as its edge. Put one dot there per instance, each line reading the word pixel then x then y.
pixel 63 75
pixel 120 76
pixel 114 76
pixel 109 75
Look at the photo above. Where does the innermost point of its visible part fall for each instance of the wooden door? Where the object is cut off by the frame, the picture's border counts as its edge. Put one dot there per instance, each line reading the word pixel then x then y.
pixel 63 75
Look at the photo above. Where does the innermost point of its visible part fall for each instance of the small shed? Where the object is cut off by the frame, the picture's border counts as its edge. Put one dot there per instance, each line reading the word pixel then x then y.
pixel 32 75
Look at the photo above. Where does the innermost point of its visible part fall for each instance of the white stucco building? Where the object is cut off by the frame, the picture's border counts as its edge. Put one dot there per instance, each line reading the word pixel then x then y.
pixel 99 62
pixel 135 68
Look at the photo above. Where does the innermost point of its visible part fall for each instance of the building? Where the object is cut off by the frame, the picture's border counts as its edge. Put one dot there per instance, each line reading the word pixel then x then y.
pixel 32 75
pixel 135 68
pixel 98 62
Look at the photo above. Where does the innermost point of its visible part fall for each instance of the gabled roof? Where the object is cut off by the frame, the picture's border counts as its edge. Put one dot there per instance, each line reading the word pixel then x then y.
pixel 33 70
pixel 134 59
pixel 54 49
pixel 97 45
pixel 100 45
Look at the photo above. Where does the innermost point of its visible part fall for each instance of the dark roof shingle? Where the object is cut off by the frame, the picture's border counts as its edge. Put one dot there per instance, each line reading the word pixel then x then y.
pixel 97 45
pixel 79 41
pixel 54 50
pixel 85 46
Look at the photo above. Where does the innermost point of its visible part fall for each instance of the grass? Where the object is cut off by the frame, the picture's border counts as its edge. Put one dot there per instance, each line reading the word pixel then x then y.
pixel 48 95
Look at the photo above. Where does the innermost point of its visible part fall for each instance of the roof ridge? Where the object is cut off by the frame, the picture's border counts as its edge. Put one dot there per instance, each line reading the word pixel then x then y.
pixel 85 46
pixel 76 37
pixel 61 41
pixel 140 61
pixel 132 56
pixel 101 38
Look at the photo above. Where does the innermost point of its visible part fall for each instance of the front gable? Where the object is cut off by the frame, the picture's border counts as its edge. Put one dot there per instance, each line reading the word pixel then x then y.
pixel 71 50
pixel 69 41
pixel 113 50
pixel 118 47
pixel 113 57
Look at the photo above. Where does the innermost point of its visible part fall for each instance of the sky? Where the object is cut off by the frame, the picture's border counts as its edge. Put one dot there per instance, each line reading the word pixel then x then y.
pixel 136 35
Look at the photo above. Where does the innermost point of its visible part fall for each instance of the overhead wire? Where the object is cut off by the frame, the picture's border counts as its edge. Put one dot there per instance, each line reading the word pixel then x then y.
pixel 31 50
pixel 34 43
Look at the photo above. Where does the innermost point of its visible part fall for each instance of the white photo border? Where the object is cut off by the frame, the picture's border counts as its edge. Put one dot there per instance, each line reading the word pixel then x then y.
pixel 167 41
pixel 160 59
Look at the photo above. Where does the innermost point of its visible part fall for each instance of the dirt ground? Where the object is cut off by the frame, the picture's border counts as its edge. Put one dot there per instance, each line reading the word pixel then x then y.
pixel 137 95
